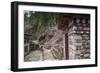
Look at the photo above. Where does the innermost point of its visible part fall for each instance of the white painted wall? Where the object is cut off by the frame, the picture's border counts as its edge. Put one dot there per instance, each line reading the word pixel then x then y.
pixel 5 17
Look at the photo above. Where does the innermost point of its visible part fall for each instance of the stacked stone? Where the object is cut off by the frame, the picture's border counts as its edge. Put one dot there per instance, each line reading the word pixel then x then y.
pixel 79 39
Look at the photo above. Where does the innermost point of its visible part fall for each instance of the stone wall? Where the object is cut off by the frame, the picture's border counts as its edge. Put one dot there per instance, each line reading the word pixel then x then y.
pixel 79 41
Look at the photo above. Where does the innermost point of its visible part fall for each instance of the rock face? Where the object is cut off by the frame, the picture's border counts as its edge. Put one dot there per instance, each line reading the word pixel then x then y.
pixel 54 47
pixel 50 45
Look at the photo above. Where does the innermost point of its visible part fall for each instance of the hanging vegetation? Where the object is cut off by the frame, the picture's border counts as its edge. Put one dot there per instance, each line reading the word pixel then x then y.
pixel 40 22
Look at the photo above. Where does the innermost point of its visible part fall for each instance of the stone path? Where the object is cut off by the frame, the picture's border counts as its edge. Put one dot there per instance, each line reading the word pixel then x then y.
pixel 47 55
pixel 33 56
pixel 37 55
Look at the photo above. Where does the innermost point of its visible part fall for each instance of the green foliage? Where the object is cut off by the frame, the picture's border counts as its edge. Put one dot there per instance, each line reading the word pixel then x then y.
pixel 42 20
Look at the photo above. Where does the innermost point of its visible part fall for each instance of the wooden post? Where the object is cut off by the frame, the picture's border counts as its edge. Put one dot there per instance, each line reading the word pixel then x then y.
pixel 66 46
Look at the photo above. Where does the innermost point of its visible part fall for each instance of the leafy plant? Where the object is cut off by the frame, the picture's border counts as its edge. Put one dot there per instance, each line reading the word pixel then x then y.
pixel 40 21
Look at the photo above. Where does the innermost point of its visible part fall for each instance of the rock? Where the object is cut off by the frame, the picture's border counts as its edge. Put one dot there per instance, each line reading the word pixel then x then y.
pixel 87 55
